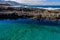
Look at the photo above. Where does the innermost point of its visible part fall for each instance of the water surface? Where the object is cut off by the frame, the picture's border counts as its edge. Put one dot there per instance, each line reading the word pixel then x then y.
pixel 27 29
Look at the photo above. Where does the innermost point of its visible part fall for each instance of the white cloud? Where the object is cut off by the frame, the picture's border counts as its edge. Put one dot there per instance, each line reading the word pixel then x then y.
pixel 37 2
pixel 29 1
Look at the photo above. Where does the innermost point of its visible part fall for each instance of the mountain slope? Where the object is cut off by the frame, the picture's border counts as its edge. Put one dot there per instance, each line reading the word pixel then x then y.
pixel 13 3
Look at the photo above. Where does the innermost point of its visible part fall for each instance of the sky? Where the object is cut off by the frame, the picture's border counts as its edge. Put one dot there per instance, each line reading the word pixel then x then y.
pixel 38 2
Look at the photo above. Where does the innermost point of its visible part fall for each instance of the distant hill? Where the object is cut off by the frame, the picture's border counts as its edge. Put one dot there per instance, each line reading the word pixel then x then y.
pixel 13 3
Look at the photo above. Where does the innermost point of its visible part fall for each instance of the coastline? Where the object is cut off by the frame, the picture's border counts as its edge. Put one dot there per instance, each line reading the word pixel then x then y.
pixel 15 12
pixel 32 13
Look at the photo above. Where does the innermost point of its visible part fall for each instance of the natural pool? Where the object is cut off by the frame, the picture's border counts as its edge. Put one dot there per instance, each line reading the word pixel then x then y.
pixel 27 29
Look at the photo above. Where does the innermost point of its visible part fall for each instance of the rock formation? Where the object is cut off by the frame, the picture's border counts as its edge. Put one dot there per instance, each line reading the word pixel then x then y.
pixel 11 12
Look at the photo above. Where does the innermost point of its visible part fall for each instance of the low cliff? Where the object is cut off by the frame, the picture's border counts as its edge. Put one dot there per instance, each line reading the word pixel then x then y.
pixel 33 13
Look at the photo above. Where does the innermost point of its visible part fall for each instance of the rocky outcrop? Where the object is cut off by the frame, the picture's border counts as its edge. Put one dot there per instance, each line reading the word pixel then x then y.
pixel 32 13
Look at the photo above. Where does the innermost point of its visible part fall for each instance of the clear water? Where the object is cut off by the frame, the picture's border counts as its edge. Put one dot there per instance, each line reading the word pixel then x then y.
pixel 26 29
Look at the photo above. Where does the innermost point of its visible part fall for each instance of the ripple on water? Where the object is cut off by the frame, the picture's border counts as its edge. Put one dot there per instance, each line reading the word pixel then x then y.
pixel 27 30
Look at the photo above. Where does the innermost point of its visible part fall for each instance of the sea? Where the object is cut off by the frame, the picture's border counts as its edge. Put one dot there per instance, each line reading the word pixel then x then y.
pixel 29 29
pixel 43 6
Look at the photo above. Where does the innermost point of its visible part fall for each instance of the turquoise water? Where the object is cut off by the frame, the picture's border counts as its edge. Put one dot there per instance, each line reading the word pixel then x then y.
pixel 26 29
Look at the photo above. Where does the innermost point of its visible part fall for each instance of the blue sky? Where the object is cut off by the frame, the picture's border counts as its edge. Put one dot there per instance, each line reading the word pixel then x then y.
pixel 53 0
pixel 38 2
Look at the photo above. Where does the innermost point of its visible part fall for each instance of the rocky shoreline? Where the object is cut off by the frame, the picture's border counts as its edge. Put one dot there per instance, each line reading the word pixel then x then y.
pixel 32 13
